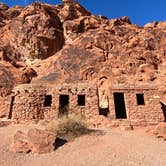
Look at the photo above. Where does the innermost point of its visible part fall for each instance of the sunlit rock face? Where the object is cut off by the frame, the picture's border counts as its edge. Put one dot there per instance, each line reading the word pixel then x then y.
pixel 36 33
pixel 66 43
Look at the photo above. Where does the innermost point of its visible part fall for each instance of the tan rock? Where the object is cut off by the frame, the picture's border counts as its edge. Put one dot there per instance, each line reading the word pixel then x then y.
pixel 41 141
pixel 20 143
pixel 35 33
pixel 36 140
pixel 3 6
pixel 67 44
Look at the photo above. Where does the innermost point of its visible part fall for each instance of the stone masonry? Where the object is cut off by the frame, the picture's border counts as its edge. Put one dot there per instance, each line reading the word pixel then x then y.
pixel 149 112
pixel 141 105
pixel 29 101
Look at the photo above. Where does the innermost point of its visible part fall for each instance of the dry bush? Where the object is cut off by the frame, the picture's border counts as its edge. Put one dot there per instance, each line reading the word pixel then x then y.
pixel 69 127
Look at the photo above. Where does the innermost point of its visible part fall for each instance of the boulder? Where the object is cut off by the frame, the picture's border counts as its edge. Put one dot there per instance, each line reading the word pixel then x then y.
pixel 41 141
pixel 20 143
pixel 36 141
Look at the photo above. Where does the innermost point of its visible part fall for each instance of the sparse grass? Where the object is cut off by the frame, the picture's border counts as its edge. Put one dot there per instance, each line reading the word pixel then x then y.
pixel 69 127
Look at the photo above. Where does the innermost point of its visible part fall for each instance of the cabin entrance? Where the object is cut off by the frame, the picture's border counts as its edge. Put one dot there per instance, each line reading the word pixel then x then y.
pixel 63 105
pixel 120 108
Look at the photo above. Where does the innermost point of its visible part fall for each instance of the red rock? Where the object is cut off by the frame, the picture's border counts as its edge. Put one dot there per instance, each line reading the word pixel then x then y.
pixel 41 141
pixel 66 43
pixel 36 140
pixel 71 9
pixel 13 12
pixel 20 143
pixel 3 6
pixel 35 33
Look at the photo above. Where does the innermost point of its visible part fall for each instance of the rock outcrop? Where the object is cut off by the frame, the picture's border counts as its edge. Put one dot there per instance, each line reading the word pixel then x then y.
pixel 35 141
pixel 20 143
pixel 115 54
pixel 70 10
pixel 36 33
pixel 66 43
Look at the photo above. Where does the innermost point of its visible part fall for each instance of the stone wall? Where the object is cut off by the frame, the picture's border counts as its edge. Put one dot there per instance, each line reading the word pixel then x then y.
pixel 28 104
pixel 149 113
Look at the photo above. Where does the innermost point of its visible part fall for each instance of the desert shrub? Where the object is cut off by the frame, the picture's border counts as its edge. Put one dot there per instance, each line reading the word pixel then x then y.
pixel 69 127
pixel 63 111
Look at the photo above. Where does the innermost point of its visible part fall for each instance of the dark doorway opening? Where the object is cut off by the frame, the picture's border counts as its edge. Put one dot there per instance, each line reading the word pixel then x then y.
pixel 120 107
pixel 104 111
pixel 47 101
pixel 63 105
pixel 11 107
pixel 163 107
pixel 81 100
pixel 140 99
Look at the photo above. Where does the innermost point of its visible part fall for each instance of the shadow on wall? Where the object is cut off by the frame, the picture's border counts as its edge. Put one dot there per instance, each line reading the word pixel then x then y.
pixel 163 107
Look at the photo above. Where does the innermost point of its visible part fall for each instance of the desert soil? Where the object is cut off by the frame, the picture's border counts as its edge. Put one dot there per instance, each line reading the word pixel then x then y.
pixel 113 147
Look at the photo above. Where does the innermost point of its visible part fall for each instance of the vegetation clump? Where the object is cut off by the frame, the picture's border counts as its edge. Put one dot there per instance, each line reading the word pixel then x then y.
pixel 69 127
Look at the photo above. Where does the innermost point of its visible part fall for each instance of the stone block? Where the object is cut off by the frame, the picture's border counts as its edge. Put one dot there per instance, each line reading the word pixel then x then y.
pixel 41 141
pixel 20 143
pixel 35 141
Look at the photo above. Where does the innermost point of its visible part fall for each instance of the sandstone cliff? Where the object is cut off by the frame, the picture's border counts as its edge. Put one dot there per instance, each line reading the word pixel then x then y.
pixel 66 43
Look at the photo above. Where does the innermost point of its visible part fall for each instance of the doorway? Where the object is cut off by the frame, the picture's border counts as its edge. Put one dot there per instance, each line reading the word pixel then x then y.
pixel 63 105
pixel 120 107
pixel 11 107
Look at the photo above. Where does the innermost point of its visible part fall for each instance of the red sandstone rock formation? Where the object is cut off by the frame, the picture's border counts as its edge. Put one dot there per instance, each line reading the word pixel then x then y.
pixel 20 143
pixel 36 33
pixel 66 43
pixel 118 53
pixel 35 141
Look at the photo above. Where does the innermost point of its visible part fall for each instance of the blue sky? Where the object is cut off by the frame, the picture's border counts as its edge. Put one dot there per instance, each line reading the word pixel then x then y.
pixel 139 11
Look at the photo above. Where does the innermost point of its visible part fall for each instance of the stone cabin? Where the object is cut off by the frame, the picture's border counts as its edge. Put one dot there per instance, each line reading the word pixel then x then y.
pixel 139 105
pixel 35 102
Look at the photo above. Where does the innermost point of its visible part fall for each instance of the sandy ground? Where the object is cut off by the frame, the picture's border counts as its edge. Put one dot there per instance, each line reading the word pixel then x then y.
pixel 114 147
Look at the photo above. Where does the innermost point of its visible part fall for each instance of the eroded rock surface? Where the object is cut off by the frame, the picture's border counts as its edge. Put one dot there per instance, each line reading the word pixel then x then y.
pixel 20 143
pixel 66 43
pixel 36 33
pixel 35 141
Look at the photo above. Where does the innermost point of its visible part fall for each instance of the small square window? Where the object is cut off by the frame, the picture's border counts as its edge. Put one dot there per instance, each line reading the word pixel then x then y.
pixel 104 111
pixel 81 100
pixel 140 99
pixel 47 100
